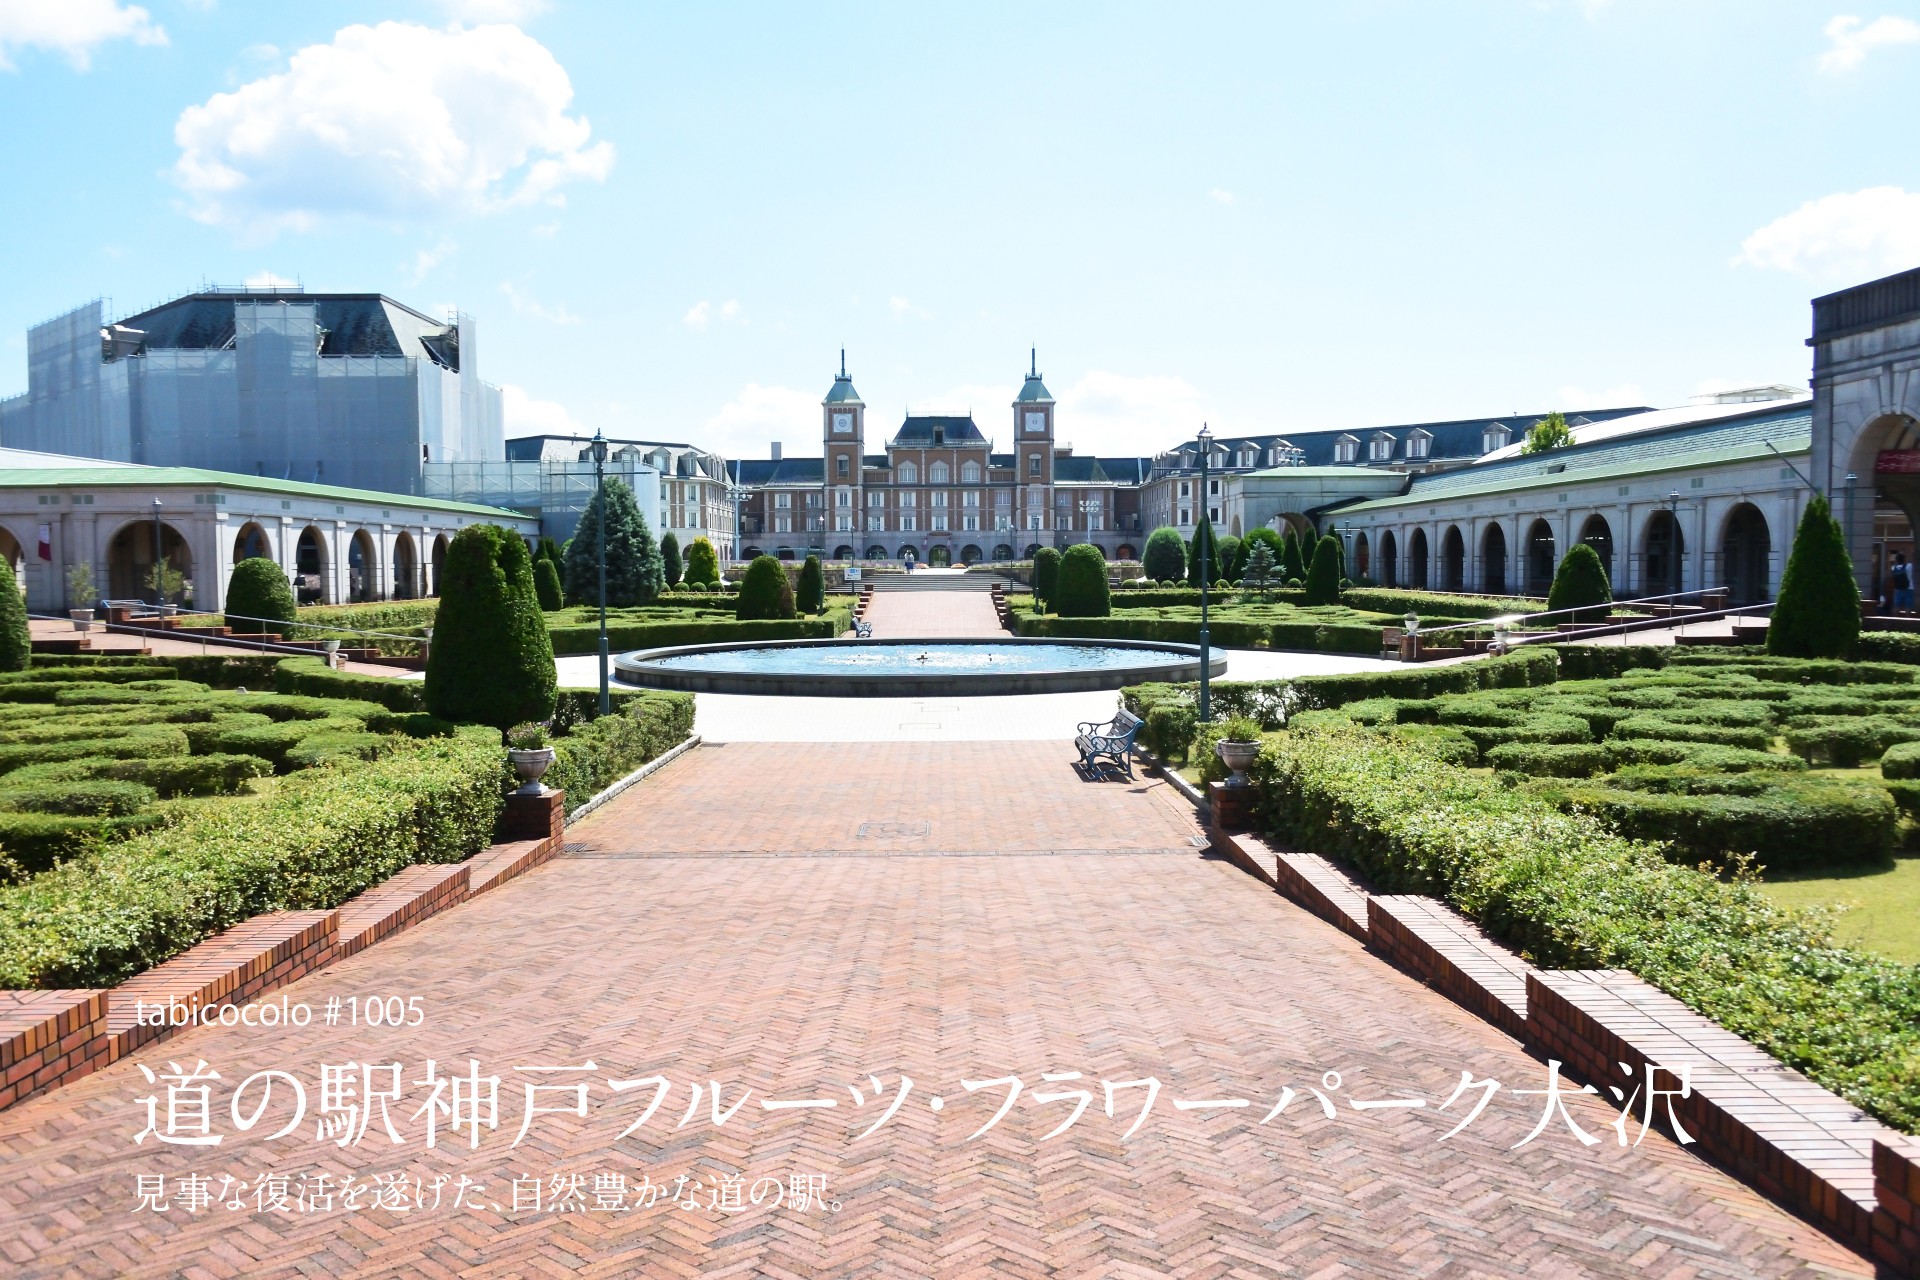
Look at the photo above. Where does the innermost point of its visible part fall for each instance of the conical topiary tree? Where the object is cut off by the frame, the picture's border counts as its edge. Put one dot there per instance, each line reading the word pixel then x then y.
pixel 1046 574
pixel 634 575
pixel 1231 553
pixel 1340 550
pixel 546 585
pixel 1082 591
pixel 1203 557
pixel 765 592
pixel 1818 613
pixel 491 660
pixel 549 550
pixel 1323 575
pixel 16 645
pixel 671 569
pixel 1293 565
pixel 812 595
pixel 703 563
pixel 258 589
pixel 1581 583
pixel 1166 555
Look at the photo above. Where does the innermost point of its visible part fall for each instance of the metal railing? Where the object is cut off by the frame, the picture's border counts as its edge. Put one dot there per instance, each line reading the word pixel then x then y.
pixel 1503 626
pixel 256 641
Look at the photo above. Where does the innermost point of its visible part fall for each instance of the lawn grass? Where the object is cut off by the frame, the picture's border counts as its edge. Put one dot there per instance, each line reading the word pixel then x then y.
pixel 1880 904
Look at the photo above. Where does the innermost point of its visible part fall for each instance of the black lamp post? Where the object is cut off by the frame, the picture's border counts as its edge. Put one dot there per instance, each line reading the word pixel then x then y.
pixel 1673 538
pixel 1206 576
pixel 600 496
pixel 159 600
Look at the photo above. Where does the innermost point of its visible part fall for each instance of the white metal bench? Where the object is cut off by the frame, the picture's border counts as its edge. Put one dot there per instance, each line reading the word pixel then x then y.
pixel 1112 740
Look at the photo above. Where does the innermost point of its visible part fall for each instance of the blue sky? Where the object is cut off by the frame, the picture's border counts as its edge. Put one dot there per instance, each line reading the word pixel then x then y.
pixel 667 219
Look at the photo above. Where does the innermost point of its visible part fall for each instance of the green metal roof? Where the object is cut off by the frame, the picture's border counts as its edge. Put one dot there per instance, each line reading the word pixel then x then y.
pixel 1321 473
pixel 147 477
pixel 843 392
pixel 1790 446
pixel 1034 391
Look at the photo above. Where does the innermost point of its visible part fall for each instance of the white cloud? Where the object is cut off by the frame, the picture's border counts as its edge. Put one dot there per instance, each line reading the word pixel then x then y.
pixel 1220 195
pixel 748 423
pixel 72 27
pixel 1117 414
pixel 698 315
pixel 1870 232
pixel 547 230
pixel 902 309
pixel 263 52
pixel 1569 399
pixel 391 122
pixel 702 313
pixel 525 416
pixel 269 280
pixel 527 306
pixel 1852 39
pixel 426 260
pixel 492 10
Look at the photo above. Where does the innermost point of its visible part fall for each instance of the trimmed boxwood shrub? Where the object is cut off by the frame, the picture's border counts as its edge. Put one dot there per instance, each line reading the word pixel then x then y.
pixel 765 592
pixel 703 564
pixel 89 799
pixel 36 842
pixel 1323 575
pixel 546 586
pixel 1081 591
pixel 1886 646
pixel 258 589
pixel 146 742
pixel 1549 759
pixel 1652 725
pixel 313 678
pixel 170 776
pixel 1569 893
pixel 1603 661
pixel 16 646
pixel 672 568
pixel 1817 614
pixel 811 596
pixel 319 838
pixel 1581 583
pixel 1450 745
pixel 1170 730
pixel 491 661
pixel 595 754
pixel 1165 559
pixel 1901 761
pixel 1847 741
pixel 1046 575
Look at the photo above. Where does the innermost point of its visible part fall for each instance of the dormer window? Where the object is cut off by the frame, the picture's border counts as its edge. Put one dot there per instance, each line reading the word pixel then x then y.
pixel 1380 447
pixel 1494 436
pixel 1346 448
pixel 939 436
pixel 1419 444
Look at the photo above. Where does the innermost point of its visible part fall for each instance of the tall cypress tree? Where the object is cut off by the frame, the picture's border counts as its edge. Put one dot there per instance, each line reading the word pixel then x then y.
pixel 1292 567
pixel 16 645
pixel 1323 576
pixel 491 660
pixel 1818 613
pixel 1203 559
pixel 670 565
pixel 634 572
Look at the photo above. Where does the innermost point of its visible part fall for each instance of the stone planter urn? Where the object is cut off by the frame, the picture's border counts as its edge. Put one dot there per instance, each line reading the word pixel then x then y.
pixel 1238 757
pixel 531 764
pixel 82 619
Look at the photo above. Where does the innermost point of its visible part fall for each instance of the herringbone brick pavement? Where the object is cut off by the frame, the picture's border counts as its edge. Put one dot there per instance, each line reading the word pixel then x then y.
pixel 798 977
pixel 933 613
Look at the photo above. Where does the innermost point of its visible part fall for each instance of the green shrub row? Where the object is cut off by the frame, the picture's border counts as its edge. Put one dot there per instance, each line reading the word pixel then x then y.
pixel 320 837
pixel 596 753
pixel 1570 893
pixel 1436 604
pixel 1303 636
pixel 660 635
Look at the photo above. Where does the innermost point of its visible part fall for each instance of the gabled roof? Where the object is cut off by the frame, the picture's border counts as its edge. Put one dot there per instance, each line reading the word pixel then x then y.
pixel 1033 391
pixel 351 324
pixel 955 430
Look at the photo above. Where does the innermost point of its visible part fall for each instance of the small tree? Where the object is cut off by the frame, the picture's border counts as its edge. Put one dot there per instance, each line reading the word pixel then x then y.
pixel 1581 583
pixel 1082 590
pixel 166 582
pixel 491 660
pixel 546 585
pixel 1166 555
pixel 1292 564
pixel 703 563
pixel 1551 432
pixel 258 589
pixel 1203 557
pixel 549 550
pixel 1323 575
pixel 1258 574
pixel 1339 550
pixel 1046 574
pixel 81 591
pixel 634 574
pixel 765 592
pixel 16 645
pixel 812 595
pixel 671 569
pixel 1818 613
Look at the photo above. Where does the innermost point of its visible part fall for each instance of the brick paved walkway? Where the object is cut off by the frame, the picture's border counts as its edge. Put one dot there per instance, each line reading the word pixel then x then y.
pixel 946 613
pixel 799 976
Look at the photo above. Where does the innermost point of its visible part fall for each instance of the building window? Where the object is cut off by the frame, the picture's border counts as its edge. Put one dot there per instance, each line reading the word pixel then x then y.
pixel 970 472
pixel 876 524
pixel 843 497
pixel 1186 489
pixel 843 524
pixel 782 501
pixel 1034 521
pixel 840 466
pixel 783 524
pixel 1033 464
pixel 1380 448
pixel 1186 516
pixel 1418 445
pixel 1213 514
pixel 970 523
pixel 908 522
pixel 875 498
pixel 1002 497
pixel 1345 449
pixel 908 473
pixel 937 473
pixel 1494 437
pixel 1063 521
pixel 939 524
pixel 971 498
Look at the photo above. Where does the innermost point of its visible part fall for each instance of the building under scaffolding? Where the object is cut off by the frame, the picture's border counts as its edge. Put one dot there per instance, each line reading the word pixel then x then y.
pixel 331 388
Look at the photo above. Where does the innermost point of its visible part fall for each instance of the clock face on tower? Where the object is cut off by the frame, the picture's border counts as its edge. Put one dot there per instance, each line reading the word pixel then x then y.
pixel 1036 422
pixel 842 423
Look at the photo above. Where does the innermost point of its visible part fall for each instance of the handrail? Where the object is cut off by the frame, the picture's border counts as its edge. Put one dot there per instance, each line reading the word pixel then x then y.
pixel 187 636
pixel 1508 619
pixel 283 622
pixel 1638 624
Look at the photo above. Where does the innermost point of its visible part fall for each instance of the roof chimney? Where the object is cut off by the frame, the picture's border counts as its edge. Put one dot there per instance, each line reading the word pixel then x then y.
pixel 776 451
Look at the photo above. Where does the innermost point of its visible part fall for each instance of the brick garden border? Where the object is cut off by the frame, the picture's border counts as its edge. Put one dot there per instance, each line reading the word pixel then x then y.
pixel 49 1037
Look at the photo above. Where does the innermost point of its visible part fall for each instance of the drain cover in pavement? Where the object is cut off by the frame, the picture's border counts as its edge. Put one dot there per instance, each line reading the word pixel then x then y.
pixel 892 830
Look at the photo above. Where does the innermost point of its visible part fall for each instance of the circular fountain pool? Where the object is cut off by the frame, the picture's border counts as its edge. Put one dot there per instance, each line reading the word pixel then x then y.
pixel 899 668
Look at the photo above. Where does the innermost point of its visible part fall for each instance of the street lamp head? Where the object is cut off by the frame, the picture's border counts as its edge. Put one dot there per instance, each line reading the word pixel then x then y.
pixel 1205 437
pixel 599 447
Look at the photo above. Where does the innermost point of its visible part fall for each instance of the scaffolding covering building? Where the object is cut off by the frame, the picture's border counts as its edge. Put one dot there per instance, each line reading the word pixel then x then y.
pixel 346 389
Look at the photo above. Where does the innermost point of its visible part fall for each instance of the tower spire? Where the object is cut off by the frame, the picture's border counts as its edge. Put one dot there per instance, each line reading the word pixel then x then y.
pixel 1033 370
pixel 843 362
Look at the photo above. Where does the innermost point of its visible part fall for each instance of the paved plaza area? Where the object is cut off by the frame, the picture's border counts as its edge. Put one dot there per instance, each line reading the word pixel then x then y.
pixel 872 924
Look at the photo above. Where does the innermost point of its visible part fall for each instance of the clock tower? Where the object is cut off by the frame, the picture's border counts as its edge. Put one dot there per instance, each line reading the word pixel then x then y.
pixel 843 428
pixel 1033 453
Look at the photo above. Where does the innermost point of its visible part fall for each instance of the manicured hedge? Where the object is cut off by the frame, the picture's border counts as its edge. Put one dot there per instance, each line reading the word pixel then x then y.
pixel 595 754
pixel 1436 604
pixel 1847 741
pixel 660 635
pixel 314 677
pixel 1887 646
pixel 1901 761
pixel 320 837
pixel 1570 893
